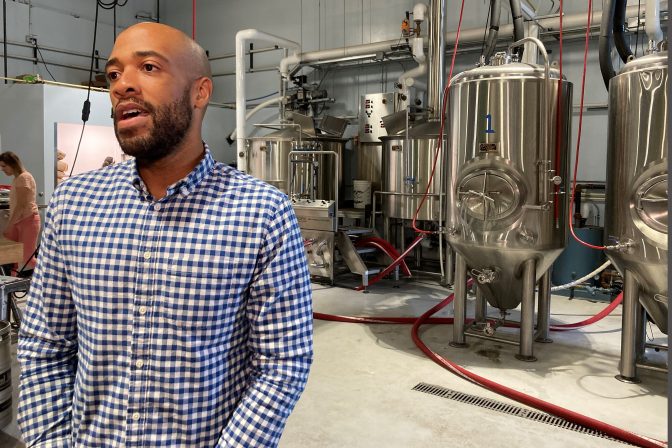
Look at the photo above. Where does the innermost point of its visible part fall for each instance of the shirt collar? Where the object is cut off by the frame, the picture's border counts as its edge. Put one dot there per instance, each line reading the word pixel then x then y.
pixel 184 186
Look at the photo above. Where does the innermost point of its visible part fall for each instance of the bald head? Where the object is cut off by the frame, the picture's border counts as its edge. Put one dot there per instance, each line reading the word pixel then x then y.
pixel 186 51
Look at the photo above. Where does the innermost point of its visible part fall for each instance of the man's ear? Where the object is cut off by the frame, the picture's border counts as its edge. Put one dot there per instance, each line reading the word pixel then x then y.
pixel 203 87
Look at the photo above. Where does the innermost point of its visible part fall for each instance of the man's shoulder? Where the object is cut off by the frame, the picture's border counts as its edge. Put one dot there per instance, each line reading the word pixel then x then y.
pixel 95 180
pixel 245 185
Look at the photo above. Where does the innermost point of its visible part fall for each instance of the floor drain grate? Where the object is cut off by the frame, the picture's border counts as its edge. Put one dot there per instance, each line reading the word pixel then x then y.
pixel 510 409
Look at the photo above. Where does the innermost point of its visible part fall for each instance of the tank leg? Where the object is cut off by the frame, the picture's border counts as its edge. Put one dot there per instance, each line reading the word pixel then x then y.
pixel 527 314
pixel 631 312
pixel 460 302
pixel 640 343
pixel 386 228
pixel 544 308
pixel 481 306
pixel 449 267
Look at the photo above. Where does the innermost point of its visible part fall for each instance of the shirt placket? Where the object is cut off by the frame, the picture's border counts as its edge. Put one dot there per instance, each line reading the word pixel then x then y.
pixel 143 312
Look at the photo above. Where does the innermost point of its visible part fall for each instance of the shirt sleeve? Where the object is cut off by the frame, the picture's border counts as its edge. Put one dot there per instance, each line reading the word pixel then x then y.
pixel 47 348
pixel 279 311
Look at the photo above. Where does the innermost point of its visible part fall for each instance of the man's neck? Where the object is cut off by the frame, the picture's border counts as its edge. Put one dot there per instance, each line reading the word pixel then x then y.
pixel 160 174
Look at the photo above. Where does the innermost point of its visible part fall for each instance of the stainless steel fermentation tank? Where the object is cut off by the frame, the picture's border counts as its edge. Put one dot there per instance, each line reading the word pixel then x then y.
pixel 506 211
pixel 407 165
pixel 268 158
pixel 636 204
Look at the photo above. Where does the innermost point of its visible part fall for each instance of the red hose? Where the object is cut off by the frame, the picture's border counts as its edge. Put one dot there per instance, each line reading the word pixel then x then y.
pixel 386 247
pixel 389 269
pixel 516 395
pixel 443 121
pixel 599 316
pixel 578 138
pixel 513 394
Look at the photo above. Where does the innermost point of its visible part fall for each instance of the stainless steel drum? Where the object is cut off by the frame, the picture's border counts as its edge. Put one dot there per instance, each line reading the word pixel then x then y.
pixel 268 158
pixel 636 204
pixel 505 188
pixel 406 169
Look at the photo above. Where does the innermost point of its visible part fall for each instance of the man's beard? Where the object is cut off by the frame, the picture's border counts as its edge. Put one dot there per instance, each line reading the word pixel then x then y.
pixel 170 124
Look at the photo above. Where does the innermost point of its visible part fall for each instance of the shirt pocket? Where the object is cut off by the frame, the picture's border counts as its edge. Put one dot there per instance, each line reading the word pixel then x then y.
pixel 204 295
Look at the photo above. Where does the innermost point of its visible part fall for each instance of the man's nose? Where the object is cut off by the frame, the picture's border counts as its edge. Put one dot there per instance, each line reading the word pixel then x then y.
pixel 125 84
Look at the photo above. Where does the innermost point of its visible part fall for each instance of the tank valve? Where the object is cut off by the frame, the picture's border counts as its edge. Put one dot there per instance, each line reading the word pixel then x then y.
pixel 485 276
pixel 557 180
pixel 625 246
pixel 489 330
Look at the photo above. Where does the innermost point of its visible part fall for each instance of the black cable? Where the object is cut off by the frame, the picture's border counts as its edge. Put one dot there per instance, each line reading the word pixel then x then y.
pixel 114 25
pixel 43 62
pixel 86 108
pixel 485 28
pixel 4 35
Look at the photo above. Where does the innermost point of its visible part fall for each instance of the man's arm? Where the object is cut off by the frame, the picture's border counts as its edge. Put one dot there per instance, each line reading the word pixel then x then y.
pixel 47 349
pixel 279 310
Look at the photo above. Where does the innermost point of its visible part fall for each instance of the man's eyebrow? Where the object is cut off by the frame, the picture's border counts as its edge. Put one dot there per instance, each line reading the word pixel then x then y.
pixel 139 54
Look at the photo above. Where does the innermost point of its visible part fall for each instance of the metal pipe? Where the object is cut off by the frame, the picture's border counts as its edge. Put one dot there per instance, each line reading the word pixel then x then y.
pixel 437 64
pixel 242 38
pixel 619 31
pixel 544 157
pixel 495 13
pixel 661 368
pixel 473 334
pixel 653 29
pixel 628 367
pixel 481 306
pixel 35 61
pixel 526 350
pixel 4 35
pixel 57 50
pixel 247 53
pixel 460 302
pixel 656 346
pixel 251 112
pixel 544 309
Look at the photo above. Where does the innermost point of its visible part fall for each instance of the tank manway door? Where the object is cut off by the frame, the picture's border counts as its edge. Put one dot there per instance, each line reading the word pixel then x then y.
pixel 651 203
pixel 488 195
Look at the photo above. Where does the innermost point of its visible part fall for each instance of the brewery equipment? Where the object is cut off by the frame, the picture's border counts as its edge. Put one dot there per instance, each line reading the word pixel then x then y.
pixel 505 179
pixel 636 204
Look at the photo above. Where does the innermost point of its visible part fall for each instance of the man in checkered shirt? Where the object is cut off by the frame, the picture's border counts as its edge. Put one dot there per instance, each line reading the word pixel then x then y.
pixel 171 304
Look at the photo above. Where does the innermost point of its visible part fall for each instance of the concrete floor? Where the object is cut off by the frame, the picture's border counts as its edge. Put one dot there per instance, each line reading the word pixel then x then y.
pixel 359 392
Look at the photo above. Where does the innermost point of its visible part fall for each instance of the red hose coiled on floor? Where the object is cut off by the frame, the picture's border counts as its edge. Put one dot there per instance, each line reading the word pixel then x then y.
pixel 389 269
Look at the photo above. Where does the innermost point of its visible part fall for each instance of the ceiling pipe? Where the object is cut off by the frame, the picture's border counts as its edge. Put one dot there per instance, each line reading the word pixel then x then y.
pixel 436 52
pixel 242 38
pixel 606 30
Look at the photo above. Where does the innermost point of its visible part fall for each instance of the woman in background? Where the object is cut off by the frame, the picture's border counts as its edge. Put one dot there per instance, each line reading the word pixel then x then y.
pixel 24 221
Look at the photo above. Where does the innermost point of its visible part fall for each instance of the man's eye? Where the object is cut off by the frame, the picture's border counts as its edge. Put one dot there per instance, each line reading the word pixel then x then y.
pixel 148 67
pixel 112 76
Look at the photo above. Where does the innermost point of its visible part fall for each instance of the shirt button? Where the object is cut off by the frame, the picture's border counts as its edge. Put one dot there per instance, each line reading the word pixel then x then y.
pixel 147 255
pixel 139 363
pixel 142 310
pixel 157 207
pixel 136 416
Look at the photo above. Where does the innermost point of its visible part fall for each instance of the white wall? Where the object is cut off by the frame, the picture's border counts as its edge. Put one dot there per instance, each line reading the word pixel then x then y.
pixel 28 117
pixel 64 24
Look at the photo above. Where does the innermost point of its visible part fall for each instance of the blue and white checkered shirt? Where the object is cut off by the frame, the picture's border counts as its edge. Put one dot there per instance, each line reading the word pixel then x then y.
pixel 182 322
